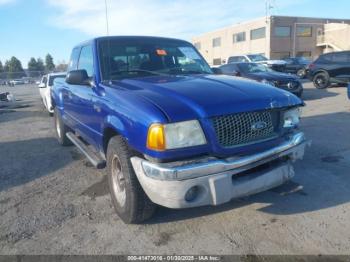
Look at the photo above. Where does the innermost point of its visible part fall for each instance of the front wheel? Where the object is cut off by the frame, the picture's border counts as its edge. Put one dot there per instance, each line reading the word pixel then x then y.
pixel 301 73
pixel 321 80
pixel 129 200
pixel 61 129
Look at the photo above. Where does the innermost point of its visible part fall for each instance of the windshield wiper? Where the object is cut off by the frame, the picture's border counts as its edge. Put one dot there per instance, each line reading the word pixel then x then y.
pixel 119 72
pixel 181 70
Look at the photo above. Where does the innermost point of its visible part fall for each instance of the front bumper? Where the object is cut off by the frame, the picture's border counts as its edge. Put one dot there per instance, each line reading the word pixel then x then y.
pixel 218 180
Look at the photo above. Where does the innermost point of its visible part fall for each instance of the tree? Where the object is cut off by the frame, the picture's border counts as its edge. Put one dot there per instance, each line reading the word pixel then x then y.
pixel 14 68
pixel 40 65
pixel 61 66
pixel 32 65
pixel 6 66
pixel 50 66
pixel 2 75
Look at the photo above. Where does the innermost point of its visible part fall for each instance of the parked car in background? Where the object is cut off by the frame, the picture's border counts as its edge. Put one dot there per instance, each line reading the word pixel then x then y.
pixel 330 68
pixel 16 82
pixel 349 90
pixel 277 65
pixel 170 131
pixel 297 65
pixel 264 75
pixel 45 86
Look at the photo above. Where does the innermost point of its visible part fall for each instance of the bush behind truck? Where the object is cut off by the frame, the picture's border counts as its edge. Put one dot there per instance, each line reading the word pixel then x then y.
pixel 168 131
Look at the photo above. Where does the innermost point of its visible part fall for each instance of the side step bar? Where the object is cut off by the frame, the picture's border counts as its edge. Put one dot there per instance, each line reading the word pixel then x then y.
pixel 96 160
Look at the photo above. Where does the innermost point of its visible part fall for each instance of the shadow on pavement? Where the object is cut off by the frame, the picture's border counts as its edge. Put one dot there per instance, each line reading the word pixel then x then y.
pixel 24 161
pixel 315 94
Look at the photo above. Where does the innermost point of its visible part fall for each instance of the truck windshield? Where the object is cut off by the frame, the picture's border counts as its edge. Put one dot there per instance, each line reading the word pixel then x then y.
pixel 130 58
pixel 257 58
pixel 253 68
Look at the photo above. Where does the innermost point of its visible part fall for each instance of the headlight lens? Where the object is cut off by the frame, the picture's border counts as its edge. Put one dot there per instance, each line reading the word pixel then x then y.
pixel 267 82
pixel 175 135
pixel 291 118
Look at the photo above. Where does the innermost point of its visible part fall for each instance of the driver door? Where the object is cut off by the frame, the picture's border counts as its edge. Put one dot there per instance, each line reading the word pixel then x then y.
pixel 85 101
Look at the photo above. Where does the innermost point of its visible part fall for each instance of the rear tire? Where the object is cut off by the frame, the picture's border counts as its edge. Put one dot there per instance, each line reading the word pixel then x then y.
pixel 321 80
pixel 129 200
pixel 61 129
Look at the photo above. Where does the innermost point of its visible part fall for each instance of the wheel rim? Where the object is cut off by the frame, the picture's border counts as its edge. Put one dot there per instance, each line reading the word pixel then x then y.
pixel 321 81
pixel 118 181
pixel 58 128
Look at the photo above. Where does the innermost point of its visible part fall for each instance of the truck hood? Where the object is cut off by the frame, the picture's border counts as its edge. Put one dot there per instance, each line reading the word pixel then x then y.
pixel 202 96
pixel 271 76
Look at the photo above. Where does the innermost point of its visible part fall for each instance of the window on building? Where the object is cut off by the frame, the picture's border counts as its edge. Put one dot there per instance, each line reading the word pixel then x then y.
pixel 239 37
pixel 306 54
pixel 216 41
pixel 217 61
pixel 280 55
pixel 304 31
pixel 257 33
pixel 282 31
pixel 197 45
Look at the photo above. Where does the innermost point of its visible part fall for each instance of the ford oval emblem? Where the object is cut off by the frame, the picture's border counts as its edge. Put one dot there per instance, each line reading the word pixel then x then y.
pixel 258 126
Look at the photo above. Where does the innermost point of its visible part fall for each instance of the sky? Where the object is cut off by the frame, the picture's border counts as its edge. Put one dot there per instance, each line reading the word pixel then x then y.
pixel 33 28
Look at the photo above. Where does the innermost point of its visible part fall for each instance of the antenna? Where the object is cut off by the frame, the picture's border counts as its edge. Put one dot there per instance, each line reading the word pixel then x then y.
pixel 268 7
pixel 106 12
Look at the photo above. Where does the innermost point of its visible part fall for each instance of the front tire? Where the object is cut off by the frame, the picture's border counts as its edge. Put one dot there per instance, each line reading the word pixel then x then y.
pixel 301 73
pixel 61 129
pixel 129 200
pixel 321 80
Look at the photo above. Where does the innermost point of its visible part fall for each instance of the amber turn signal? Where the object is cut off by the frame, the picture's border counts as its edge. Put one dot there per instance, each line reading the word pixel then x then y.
pixel 155 137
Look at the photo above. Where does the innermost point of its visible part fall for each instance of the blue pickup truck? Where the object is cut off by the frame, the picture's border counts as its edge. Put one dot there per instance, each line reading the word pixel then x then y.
pixel 168 131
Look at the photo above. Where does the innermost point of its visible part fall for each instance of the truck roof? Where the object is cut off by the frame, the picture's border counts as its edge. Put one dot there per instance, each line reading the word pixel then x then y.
pixel 129 38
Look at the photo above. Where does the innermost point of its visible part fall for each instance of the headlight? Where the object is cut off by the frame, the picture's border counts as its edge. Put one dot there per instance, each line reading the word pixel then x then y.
pixel 291 117
pixel 267 82
pixel 175 135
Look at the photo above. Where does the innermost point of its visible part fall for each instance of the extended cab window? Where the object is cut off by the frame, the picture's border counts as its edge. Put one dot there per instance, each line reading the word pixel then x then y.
pixel 86 60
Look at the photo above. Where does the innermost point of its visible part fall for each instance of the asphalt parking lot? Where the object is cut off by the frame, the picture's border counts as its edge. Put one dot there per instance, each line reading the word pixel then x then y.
pixel 52 201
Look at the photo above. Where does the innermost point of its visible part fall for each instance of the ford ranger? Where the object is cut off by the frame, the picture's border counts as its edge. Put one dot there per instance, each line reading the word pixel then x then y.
pixel 168 130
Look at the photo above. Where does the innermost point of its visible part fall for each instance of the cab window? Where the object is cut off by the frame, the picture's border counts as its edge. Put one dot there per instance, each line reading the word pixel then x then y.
pixel 86 60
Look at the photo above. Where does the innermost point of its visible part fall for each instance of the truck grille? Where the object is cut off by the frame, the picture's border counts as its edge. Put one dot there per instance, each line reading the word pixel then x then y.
pixel 245 128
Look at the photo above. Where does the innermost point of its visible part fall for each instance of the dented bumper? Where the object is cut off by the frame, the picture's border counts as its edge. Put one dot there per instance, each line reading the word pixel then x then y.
pixel 215 181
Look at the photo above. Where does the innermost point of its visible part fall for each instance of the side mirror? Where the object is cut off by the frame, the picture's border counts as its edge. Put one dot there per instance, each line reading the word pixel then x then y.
pixel 78 77
pixel 41 85
pixel 217 71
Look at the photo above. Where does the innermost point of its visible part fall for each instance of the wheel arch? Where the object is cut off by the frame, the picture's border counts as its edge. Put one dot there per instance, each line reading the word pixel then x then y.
pixel 320 71
pixel 113 126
